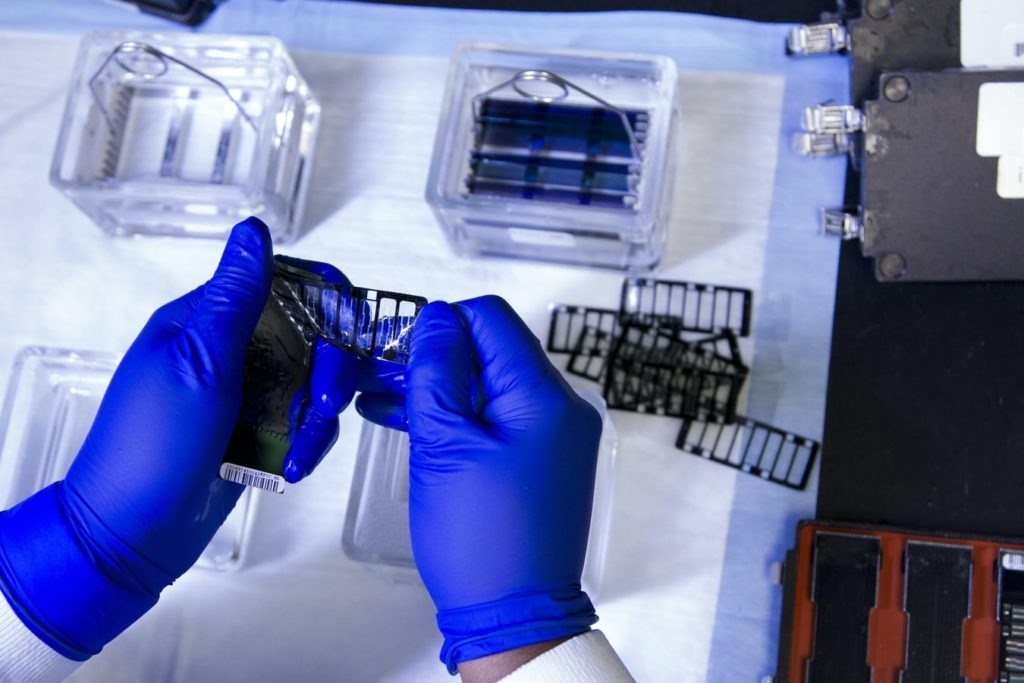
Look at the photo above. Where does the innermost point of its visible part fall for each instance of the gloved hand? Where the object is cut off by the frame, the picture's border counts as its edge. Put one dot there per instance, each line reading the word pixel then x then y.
pixel 87 556
pixel 334 377
pixel 502 466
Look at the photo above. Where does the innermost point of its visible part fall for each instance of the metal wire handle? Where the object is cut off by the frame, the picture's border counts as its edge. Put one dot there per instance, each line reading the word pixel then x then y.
pixel 564 87
pixel 135 47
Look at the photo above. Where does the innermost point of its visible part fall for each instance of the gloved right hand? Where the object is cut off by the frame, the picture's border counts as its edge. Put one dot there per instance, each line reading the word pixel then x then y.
pixel 502 466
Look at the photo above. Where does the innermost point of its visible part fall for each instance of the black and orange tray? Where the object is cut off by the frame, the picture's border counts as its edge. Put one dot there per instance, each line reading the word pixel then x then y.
pixel 871 604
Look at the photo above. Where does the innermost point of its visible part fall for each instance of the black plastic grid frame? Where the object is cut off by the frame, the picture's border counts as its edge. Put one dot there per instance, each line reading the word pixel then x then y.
pixel 669 392
pixel 657 370
pixel 672 392
pixel 665 347
pixel 753 447
pixel 652 370
pixel 586 334
pixel 723 345
pixel 718 353
pixel 568 324
pixel 590 356
pixel 652 390
pixel 369 322
pixel 690 306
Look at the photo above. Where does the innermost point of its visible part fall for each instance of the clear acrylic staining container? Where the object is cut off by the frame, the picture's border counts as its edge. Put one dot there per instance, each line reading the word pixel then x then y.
pixel 186 134
pixel 51 401
pixel 376 531
pixel 555 155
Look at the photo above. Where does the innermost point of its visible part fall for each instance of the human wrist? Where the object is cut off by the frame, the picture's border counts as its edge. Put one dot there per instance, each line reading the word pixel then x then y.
pixel 520 620
pixel 74 593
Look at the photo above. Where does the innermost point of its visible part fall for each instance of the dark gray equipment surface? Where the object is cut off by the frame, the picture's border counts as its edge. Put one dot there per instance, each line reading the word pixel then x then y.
pixel 922 425
pixel 886 35
pixel 923 421
pixel 930 206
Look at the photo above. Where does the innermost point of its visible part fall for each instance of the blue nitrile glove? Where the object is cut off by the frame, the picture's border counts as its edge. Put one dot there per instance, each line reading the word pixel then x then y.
pixel 502 466
pixel 382 387
pixel 87 556
pixel 334 375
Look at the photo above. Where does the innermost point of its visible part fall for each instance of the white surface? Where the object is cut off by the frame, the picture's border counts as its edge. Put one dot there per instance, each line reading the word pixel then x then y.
pixel 992 33
pixel 299 610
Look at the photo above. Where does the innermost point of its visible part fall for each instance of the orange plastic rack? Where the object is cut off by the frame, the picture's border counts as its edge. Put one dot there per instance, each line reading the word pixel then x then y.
pixel 887 622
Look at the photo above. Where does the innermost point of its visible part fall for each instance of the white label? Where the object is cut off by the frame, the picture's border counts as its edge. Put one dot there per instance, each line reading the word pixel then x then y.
pixel 250 477
pixel 1000 134
pixel 1010 177
pixel 1000 119
pixel 1013 562
pixel 992 32
pixel 541 237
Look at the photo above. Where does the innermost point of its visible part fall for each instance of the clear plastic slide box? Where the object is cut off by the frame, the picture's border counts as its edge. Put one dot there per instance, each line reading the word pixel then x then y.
pixel 555 155
pixel 186 134
pixel 376 531
pixel 51 400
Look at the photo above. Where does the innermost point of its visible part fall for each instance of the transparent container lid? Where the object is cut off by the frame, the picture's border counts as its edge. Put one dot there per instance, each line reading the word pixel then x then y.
pixel 557 155
pixel 51 401
pixel 376 531
pixel 185 134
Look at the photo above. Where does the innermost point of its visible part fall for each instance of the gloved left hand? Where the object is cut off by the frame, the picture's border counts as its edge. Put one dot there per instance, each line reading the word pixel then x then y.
pixel 87 556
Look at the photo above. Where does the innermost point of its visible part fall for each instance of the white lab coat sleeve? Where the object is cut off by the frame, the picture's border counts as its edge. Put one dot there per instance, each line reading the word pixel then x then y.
pixel 23 657
pixel 586 658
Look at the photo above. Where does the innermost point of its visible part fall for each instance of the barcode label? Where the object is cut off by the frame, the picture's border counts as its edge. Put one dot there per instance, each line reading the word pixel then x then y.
pixel 250 477
pixel 543 238
pixel 1013 562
